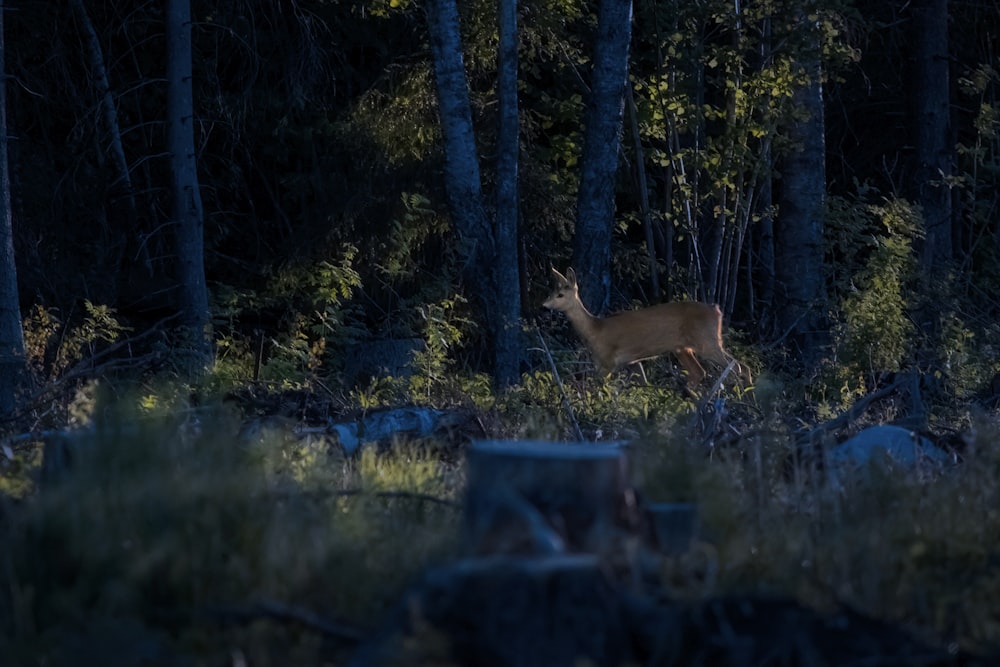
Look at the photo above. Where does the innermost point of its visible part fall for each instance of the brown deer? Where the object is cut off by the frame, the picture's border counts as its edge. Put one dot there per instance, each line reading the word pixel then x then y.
pixel 686 328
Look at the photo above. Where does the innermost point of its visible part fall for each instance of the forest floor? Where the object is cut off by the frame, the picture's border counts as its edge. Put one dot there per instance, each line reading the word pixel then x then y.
pixel 245 533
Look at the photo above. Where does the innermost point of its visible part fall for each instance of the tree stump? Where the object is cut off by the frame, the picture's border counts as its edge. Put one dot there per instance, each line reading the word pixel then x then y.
pixel 672 526
pixel 534 497
pixel 536 611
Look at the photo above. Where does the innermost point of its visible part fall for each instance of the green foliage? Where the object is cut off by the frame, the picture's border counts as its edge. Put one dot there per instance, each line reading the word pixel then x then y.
pixel 616 406
pixel 606 410
pixel 407 468
pixel 875 335
pixel 437 379
pixel 399 117
pixel 53 348
pixel 533 409
pixel 968 360
pixel 168 514
pixel 398 255
pixel 310 300
pixel 978 177
pixel 886 542
pixel 711 114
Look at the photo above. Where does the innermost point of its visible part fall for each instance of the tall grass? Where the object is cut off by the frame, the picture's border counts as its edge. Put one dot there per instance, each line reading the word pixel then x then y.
pixel 173 529
pixel 921 549
pixel 175 522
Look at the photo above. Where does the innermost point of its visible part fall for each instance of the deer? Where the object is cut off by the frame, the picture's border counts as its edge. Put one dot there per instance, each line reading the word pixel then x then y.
pixel 688 329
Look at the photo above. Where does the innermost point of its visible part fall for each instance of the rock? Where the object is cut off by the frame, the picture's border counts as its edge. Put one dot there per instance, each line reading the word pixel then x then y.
pixel 879 443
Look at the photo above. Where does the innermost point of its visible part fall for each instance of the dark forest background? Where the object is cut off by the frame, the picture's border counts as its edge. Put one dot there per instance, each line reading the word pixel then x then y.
pixel 279 263
pixel 325 214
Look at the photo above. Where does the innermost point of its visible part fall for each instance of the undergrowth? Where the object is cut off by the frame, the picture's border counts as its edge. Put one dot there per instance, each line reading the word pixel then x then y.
pixel 177 531
pixel 916 548
pixel 177 523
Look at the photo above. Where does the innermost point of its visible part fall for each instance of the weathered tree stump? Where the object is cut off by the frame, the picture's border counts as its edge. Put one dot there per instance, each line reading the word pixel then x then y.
pixel 544 611
pixel 556 611
pixel 542 497
pixel 672 526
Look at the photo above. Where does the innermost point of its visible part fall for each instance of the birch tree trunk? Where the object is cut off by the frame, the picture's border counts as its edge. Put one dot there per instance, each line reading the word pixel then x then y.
pixel 799 233
pixel 11 332
pixel 932 132
pixel 491 277
pixel 595 207
pixel 508 348
pixel 186 194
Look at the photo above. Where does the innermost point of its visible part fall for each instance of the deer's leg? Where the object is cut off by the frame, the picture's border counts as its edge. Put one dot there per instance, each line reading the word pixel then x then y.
pixel 716 354
pixel 686 358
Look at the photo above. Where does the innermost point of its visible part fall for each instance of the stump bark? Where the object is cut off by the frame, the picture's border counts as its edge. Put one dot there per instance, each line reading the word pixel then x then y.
pixel 532 497
pixel 536 611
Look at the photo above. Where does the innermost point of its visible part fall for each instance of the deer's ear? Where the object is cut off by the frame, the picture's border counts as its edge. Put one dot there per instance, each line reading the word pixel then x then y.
pixel 560 279
pixel 571 277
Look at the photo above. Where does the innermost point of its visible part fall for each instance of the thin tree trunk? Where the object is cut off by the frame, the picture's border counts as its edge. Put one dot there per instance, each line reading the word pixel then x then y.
pixel 640 172
pixel 463 184
pixel 187 208
pixel 12 362
pixel 765 237
pixel 109 115
pixel 721 269
pixel 799 259
pixel 508 347
pixel 596 197
pixel 932 123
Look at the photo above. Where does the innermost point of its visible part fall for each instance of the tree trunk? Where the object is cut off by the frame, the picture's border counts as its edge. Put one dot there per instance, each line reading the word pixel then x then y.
pixel 765 227
pixel 640 173
pixel 186 195
pixel 799 233
pixel 508 348
pixel 595 206
pixel 11 333
pixel 932 131
pixel 463 186
pixel 95 58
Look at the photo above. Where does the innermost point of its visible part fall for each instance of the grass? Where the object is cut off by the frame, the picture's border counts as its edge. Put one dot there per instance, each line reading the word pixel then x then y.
pixel 178 525
pixel 177 533
pixel 922 550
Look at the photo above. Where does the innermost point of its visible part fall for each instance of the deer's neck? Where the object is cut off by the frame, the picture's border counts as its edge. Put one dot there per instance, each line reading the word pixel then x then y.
pixel 586 325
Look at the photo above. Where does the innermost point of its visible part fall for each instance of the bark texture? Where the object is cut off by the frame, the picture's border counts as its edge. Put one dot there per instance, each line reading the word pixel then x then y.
pixel 508 347
pixel 596 198
pixel 932 130
pixel 186 194
pixel 799 242
pixel 11 332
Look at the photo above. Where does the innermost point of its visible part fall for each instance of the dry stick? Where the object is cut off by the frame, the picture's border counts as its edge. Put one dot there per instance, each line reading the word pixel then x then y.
pixel 715 387
pixel 703 401
pixel 343 493
pixel 278 611
pixel 88 367
pixel 848 417
pixel 562 390
pixel 408 495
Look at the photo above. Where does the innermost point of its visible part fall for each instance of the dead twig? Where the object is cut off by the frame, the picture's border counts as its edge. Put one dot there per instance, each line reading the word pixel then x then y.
pixel 562 389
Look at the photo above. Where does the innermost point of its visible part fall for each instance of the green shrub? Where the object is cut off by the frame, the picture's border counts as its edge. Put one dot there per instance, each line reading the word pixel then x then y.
pixel 873 334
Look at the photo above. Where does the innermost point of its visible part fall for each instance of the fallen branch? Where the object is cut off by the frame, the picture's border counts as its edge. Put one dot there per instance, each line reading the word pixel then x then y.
pixel 405 495
pixel 92 366
pixel 842 420
pixel 277 611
